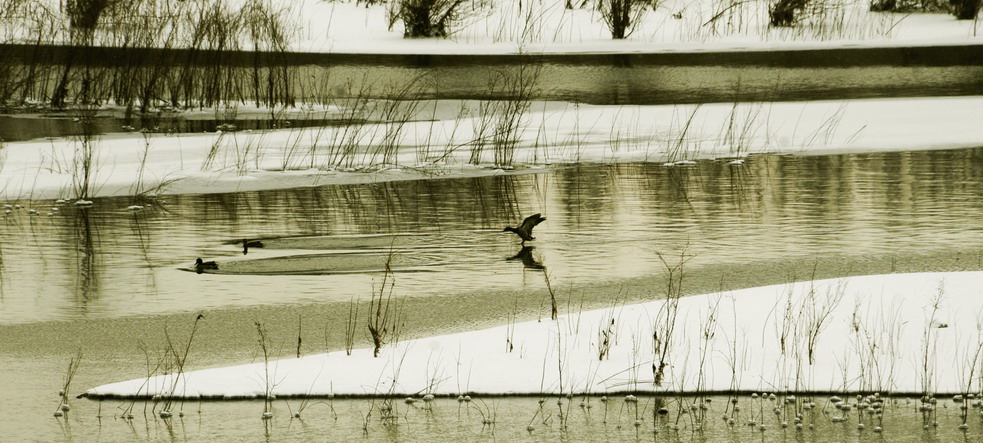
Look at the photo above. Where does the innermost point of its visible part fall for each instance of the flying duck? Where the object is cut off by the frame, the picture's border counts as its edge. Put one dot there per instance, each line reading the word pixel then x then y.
pixel 201 266
pixel 524 231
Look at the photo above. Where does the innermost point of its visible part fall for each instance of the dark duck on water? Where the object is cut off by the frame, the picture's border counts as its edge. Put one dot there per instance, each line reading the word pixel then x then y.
pixel 201 266
pixel 246 244
pixel 524 231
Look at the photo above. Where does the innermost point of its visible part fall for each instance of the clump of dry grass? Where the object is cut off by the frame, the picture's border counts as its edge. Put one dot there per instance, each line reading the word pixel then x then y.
pixel 665 325
pixel 73 367
pixel 385 311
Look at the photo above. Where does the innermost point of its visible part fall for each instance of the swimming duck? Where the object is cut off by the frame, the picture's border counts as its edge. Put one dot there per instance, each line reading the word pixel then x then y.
pixel 246 244
pixel 201 266
pixel 524 231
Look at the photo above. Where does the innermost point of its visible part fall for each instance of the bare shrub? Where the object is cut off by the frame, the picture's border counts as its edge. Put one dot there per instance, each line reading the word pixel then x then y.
pixel 909 5
pixel 83 15
pixel 269 32
pixel 426 18
pixel 785 12
pixel 965 9
pixel 622 16
pixel 84 161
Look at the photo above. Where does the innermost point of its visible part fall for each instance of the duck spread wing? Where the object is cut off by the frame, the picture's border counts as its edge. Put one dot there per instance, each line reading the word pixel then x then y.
pixel 531 222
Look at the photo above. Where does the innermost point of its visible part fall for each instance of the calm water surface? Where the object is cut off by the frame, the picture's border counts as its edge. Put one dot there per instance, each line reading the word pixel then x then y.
pixel 603 223
pixel 114 283
pixel 521 419
pixel 603 79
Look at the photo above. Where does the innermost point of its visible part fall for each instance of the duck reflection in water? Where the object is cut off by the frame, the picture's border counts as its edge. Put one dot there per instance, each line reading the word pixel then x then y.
pixel 202 266
pixel 528 261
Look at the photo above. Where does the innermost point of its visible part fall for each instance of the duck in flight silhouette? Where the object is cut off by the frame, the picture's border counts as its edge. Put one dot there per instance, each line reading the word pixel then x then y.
pixel 201 266
pixel 524 231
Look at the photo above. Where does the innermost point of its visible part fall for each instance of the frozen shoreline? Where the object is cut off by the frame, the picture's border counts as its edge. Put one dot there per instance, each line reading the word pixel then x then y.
pixel 142 164
pixel 896 333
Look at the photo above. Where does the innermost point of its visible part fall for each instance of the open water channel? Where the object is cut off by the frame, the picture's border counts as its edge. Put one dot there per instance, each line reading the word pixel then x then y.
pixel 111 283
pixel 114 284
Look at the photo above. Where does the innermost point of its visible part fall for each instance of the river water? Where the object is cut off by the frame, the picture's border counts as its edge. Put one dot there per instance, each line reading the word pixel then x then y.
pixel 603 79
pixel 115 284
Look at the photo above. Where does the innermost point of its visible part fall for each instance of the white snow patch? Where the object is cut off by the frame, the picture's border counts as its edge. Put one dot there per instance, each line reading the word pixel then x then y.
pixel 555 134
pixel 878 332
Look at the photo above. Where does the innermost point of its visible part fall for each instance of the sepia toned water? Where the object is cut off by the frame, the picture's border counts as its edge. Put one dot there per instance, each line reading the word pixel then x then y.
pixel 529 419
pixel 602 79
pixel 114 284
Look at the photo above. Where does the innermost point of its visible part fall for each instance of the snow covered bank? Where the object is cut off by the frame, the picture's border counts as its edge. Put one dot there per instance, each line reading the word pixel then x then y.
pixel 540 26
pixel 550 133
pixel 897 332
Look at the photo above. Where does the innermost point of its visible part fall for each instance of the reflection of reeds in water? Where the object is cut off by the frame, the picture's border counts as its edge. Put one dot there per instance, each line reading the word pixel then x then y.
pixel 496 199
pixel 138 225
pixel 86 261
pixel 677 183
pixel 588 192
pixel 739 179
pixel 141 35
pixel 2 269
pixel 419 205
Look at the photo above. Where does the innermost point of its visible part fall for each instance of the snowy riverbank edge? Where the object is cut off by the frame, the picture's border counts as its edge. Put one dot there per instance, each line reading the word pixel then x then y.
pixel 551 134
pixel 897 333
